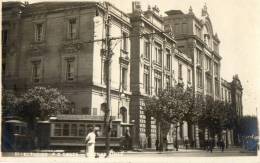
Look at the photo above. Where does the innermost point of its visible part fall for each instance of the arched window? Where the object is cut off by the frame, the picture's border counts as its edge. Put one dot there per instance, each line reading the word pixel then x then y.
pixel 123 114
pixel 103 109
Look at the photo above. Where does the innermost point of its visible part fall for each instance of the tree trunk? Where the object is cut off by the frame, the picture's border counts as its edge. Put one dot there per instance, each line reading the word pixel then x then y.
pixel 176 138
pixel 160 137
pixel 226 138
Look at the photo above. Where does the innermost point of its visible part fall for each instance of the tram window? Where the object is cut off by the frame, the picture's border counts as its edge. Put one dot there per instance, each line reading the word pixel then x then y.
pixel 57 130
pixel 65 129
pixel 81 130
pixel 73 129
pixel 89 126
pixel 114 131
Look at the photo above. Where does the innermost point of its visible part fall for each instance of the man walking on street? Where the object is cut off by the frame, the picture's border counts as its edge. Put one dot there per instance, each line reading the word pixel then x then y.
pixel 90 143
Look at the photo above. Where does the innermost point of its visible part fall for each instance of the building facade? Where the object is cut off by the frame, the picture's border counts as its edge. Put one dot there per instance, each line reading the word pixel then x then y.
pixel 151 69
pixel 52 44
pixel 61 45
pixel 195 38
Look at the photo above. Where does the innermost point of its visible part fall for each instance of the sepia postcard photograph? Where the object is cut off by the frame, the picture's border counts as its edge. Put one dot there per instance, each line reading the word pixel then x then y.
pixel 130 81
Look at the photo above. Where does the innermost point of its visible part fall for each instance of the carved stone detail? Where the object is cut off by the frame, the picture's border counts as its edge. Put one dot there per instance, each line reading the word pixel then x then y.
pixel 37 48
pixel 71 47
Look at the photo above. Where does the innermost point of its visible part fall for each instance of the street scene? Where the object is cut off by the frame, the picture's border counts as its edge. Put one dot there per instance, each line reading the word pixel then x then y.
pixel 91 80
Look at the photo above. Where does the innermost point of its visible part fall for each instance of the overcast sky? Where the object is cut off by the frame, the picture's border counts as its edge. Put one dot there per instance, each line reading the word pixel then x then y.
pixel 236 23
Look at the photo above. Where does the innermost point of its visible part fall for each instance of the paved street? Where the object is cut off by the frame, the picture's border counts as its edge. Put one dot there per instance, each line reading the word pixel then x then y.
pixel 177 156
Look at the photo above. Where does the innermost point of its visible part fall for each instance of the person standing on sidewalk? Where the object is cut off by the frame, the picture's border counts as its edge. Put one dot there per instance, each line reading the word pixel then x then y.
pixel 90 143
pixel 222 145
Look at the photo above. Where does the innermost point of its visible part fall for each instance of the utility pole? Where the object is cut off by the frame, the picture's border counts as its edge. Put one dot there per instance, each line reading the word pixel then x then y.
pixel 108 118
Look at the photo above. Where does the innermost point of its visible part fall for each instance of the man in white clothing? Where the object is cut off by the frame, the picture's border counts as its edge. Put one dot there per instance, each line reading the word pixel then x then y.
pixel 90 143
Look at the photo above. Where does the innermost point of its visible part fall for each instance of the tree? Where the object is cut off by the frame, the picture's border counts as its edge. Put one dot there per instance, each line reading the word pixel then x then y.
pixel 155 107
pixel 44 102
pixel 169 107
pixel 213 116
pixel 10 103
pixel 195 105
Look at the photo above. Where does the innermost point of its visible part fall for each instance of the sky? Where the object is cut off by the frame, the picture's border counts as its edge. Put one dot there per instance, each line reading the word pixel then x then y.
pixel 236 23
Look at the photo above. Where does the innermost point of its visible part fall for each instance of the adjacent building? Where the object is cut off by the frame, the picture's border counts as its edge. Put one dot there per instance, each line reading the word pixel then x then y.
pixel 196 39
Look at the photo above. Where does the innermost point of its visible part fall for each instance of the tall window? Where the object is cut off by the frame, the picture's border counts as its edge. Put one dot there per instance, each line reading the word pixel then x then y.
pixel 199 78
pixel 199 57
pixel 70 63
pixel 216 70
pixel 198 31
pixel 209 85
pixel 39 32
pixel 180 71
pixel 158 54
pixel 124 78
pixel 123 114
pixel 217 88
pixel 36 71
pixel 189 76
pixel 146 80
pixel 125 43
pixel 72 28
pixel 168 84
pixel 208 64
pixel 4 37
pixel 157 82
pixel 146 50
pixel 168 59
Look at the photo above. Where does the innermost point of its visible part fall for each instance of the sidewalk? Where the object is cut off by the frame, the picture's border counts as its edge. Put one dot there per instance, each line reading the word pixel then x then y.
pixel 61 153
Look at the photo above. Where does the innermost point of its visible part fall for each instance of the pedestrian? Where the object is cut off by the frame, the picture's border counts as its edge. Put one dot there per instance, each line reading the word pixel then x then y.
pixel 126 140
pixel 90 143
pixel 186 142
pixel 222 145
pixel 157 144
pixel 211 144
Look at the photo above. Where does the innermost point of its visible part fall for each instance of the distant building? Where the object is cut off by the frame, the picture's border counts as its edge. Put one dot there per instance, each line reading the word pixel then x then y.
pixel 231 92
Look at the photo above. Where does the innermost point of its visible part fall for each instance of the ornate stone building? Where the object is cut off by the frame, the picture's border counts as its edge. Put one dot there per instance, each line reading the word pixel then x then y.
pixel 156 64
pixel 195 37
pixel 51 44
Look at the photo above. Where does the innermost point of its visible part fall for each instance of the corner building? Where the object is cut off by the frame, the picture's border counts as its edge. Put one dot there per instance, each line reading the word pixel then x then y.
pixel 55 48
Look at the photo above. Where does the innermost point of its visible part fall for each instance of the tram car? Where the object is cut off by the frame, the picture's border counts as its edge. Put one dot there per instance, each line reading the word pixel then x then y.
pixel 68 132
